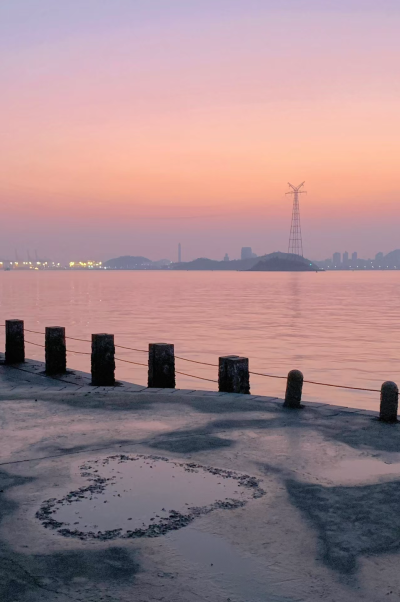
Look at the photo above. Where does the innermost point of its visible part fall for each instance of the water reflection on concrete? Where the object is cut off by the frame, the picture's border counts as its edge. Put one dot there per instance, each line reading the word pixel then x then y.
pixel 360 470
pixel 135 492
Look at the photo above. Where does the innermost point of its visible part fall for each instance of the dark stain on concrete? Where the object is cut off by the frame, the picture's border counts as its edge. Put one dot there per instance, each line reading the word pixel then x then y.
pixel 61 450
pixel 14 579
pixel 220 405
pixel 361 434
pixel 351 521
pixel 111 564
pixel 205 438
pixel 47 576
pixel 243 424
pixel 187 442
pixel 8 481
pixel 108 403
pixel 147 400
pixel 356 432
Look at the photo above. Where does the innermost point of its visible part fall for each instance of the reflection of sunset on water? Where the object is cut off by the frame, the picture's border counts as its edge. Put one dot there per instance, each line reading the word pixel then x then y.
pixel 336 327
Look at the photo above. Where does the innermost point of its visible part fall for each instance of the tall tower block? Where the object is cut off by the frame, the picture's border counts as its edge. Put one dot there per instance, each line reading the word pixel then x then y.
pixel 179 253
pixel 295 239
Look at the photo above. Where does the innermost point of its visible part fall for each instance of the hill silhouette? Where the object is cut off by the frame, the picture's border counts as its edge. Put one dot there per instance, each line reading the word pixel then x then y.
pixel 273 262
pixel 129 262
pixel 284 262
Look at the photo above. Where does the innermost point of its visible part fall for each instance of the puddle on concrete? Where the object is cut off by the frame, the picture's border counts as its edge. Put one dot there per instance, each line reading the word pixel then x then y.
pixel 360 470
pixel 137 496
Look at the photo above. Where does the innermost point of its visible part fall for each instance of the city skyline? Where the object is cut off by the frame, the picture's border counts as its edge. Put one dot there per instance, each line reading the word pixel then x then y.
pixel 336 260
pixel 189 129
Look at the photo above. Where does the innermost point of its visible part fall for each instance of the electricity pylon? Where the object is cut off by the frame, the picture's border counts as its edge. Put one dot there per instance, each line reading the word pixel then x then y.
pixel 295 240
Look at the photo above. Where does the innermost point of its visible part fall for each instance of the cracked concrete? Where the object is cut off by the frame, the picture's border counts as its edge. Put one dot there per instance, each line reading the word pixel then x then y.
pixel 327 527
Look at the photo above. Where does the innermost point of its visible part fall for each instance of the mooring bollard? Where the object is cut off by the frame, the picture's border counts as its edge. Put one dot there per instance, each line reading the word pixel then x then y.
pixel 161 366
pixel 15 342
pixel 55 350
pixel 294 388
pixel 103 360
pixel 389 402
pixel 233 374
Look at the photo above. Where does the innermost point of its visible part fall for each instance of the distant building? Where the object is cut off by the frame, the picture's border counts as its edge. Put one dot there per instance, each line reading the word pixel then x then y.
pixel 354 256
pixel 379 256
pixel 337 259
pixel 179 253
pixel 226 258
pixel 31 265
pixel 85 265
pixel 247 253
pixel 345 258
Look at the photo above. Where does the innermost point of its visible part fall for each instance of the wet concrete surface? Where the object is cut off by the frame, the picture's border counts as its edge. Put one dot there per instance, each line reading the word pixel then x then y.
pixel 258 502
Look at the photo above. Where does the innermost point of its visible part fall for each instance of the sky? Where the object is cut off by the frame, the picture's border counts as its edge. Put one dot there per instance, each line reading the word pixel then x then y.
pixel 128 126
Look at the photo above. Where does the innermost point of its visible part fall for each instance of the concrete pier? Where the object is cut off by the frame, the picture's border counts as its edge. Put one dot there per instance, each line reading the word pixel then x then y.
pixel 103 360
pixel 233 374
pixel 294 389
pixel 55 350
pixel 389 402
pixel 161 366
pixel 327 522
pixel 15 342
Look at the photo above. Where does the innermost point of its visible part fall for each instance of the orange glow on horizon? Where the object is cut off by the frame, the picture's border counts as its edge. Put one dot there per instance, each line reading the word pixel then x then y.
pixel 204 117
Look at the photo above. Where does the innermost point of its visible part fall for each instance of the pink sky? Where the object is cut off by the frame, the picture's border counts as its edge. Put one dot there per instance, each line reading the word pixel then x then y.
pixel 126 131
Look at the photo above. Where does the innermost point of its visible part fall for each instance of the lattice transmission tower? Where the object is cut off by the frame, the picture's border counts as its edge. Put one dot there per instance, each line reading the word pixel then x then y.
pixel 295 240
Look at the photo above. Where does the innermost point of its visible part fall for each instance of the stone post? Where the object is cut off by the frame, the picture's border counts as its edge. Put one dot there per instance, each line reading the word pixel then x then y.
pixel 103 360
pixel 294 388
pixel 55 350
pixel 233 374
pixel 15 342
pixel 389 402
pixel 161 366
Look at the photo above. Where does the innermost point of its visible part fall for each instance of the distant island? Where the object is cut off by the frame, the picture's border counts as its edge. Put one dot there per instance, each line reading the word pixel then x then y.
pixel 211 264
pixel 273 262
pixel 284 262
pixel 129 262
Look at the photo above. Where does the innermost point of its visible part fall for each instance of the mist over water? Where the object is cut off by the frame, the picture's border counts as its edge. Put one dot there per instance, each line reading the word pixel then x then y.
pixel 340 328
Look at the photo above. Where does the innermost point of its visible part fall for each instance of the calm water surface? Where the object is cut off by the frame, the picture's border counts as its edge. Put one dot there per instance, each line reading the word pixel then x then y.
pixel 340 328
